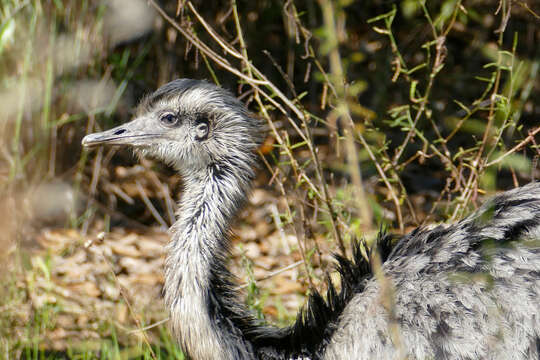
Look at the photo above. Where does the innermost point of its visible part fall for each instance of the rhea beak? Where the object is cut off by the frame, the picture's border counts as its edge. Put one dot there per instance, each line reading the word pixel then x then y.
pixel 133 133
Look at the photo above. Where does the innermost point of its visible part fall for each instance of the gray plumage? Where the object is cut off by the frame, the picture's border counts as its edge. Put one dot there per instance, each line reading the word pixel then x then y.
pixel 464 291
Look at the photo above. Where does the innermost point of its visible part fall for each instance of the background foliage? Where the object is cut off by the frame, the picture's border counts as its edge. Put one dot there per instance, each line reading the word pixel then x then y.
pixel 395 113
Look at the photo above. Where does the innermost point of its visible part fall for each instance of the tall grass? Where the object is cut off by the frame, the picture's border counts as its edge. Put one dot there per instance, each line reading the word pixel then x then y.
pixel 379 114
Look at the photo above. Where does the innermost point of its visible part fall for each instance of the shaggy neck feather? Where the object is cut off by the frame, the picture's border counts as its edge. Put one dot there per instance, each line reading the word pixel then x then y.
pixel 199 245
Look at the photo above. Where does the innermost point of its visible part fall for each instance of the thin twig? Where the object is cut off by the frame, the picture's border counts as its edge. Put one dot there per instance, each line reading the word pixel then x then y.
pixel 272 274
pixel 151 326
pixel 150 206
pixel 522 143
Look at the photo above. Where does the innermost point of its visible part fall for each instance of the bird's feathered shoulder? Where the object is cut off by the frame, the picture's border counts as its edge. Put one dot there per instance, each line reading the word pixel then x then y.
pixel 501 221
pixel 317 321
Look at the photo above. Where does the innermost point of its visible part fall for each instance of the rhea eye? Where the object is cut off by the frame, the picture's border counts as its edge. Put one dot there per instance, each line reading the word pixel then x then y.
pixel 201 130
pixel 169 119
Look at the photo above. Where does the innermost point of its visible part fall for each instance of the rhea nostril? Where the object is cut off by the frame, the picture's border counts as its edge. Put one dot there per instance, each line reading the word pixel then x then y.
pixel 119 131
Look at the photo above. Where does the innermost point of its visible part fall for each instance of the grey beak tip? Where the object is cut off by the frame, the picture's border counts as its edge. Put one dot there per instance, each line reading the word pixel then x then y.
pixel 87 141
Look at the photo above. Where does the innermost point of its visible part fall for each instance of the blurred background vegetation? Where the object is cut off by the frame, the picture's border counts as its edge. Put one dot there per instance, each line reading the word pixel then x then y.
pixel 395 113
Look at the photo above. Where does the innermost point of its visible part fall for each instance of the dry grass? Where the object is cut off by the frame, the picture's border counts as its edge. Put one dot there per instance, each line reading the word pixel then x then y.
pixel 379 114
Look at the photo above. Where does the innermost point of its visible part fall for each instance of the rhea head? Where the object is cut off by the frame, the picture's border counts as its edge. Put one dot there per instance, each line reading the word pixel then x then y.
pixel 189 124
pixel 210 138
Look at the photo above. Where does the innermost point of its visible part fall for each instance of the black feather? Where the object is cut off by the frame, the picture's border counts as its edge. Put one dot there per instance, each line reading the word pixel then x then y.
pixel 314 325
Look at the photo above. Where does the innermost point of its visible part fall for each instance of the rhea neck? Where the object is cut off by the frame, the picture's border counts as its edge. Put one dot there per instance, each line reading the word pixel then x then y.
pixel 199 247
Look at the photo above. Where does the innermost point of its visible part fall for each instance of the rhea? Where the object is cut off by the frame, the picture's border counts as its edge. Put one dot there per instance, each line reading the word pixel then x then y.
pixel 470 290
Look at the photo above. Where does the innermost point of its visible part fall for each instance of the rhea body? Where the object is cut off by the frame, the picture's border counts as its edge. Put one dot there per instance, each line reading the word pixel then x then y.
pixel 464 291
